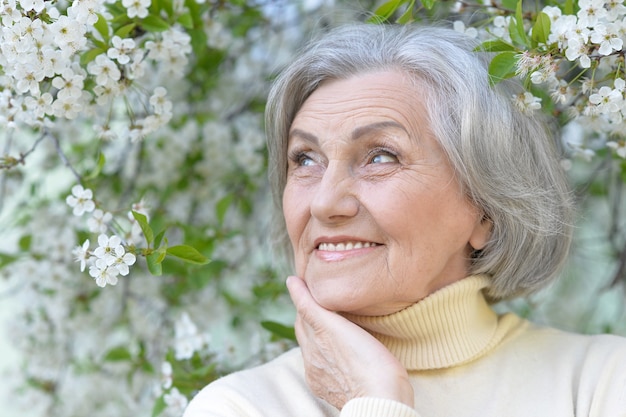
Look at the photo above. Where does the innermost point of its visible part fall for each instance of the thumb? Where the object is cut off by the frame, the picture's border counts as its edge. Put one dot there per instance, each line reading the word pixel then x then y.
pixel 305 304
pixel 298 292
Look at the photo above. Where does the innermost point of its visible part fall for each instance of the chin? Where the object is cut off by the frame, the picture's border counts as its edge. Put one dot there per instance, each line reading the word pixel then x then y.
pixel 333 298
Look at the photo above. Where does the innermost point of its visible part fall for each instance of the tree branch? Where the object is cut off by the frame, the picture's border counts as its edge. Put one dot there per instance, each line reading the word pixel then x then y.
pixel 62 155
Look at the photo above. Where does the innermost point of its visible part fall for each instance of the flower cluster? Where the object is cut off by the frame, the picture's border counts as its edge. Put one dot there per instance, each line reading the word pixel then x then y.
pixel 572 60
pixel 111 258
pixel 62 63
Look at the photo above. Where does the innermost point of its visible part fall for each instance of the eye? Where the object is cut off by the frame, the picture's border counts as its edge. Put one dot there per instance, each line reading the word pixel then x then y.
pixel 304 160
pixel 383 157
pixel 301 159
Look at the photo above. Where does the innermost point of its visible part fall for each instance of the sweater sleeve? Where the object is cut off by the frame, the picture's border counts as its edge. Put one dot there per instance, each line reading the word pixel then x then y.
pixel 376 407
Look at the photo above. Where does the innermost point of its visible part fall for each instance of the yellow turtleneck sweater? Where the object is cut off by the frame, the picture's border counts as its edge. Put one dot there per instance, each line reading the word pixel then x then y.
pixel 463 360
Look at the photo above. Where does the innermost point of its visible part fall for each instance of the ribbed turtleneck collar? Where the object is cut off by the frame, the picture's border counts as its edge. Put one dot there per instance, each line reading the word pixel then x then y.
pixel 451 326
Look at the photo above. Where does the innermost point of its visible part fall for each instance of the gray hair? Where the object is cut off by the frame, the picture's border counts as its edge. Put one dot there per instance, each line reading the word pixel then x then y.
pixel 504 159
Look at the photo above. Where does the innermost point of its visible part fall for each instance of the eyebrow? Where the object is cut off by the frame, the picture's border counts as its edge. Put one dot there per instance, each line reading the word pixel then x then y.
pixel 309 137
pixel 356 133
pixel 364 130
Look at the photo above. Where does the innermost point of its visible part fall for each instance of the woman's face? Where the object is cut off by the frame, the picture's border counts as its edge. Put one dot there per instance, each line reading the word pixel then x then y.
pixel 375 215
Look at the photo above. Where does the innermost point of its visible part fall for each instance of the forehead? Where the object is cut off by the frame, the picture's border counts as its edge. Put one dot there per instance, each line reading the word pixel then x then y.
pixel 371 97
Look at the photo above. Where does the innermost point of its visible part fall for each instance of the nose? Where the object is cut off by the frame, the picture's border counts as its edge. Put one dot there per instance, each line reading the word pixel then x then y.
pixel 334 198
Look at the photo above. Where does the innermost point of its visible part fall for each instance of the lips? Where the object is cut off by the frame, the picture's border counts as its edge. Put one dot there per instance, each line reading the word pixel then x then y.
pixel 344 246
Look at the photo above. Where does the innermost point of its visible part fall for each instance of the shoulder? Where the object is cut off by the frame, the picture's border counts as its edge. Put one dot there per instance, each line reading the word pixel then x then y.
pixel 277 387
pixel 593 367
pixel 574 343
pixel 549 342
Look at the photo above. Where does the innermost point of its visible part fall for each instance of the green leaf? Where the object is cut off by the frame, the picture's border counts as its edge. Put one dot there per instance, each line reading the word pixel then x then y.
pixel 154 264
pixel 428 3
pixel 195 12
pixel 186 20
pixel 541 29
pixel 90 55
pixel 145 227
pixel 154 24
pixel 158 238
pixel 509 4
pixel 198 41
pixel 98 169
pixel 6 259
pixel 166 5
pixel 385 11
pixel 119 353
pixel 24 243
pixel 407 16
pixel 280 330
pixel 102 27
pixel 568 7
pixel 495 45
pixel 124 31
pixel 206 372
pixel 222 207
pixel 159 406
pixel 516 27
pixel 502 66
pixel 188 254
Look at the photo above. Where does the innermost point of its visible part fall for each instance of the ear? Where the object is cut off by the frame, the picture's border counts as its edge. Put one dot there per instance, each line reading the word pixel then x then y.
pixel 481 233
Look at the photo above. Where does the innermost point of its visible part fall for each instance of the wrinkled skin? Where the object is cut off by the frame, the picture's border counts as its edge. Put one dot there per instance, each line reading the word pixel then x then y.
pixel 343 361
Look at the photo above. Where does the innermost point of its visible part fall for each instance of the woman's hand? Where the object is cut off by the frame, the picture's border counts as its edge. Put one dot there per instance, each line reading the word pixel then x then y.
pixel 342 361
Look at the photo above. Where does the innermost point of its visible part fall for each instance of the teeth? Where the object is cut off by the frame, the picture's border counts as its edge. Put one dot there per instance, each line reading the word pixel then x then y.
pixel 332 247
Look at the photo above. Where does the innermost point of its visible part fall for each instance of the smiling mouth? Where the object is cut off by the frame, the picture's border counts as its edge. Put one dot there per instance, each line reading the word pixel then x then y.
pixel 344 246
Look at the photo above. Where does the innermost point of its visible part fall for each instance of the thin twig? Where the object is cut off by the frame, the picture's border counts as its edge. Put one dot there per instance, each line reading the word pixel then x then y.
pixel 3 179
pixel 620 274
pixel 10 162
pixel 62 155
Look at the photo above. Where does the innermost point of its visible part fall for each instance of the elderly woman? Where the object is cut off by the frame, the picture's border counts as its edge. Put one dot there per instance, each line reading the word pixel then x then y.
pixel 414 195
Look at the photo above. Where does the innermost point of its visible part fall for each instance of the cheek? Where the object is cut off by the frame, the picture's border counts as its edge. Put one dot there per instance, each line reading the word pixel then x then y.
pixel 294 212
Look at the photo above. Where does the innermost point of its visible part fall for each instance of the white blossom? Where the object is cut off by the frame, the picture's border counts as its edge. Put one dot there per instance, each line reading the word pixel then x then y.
pixel 615 9
pixel 81 200
pixel 606 100
pixel 121 260
pixel 526 102
pixel 10 12
pixel 563 93
pixel 159 102
pixel 136 8
pixel 607 36
pixel 32 5
pixel 103 274
pixel 166 375
pixel 67 107
pixel 590 12
pixel 578 50
pixel 82 254
pixel 187 340
pixel 121 49
pixel 105 70
pixel 99 221
pixel 68 34
pixel 618 147
pixel 70 84
pixel 39 106
pixel 175 401
pixel 85 11
pixel 459 26
pixel 108 247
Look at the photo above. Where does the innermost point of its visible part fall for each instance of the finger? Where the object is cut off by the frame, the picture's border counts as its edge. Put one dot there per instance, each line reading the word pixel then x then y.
pixel 298 291
pixel 306 306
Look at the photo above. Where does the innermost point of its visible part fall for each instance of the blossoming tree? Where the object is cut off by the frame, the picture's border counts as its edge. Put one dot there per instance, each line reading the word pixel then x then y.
pixel 133 200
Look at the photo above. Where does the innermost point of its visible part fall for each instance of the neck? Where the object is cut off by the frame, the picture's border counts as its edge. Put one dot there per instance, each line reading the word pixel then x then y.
pixel 452 326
